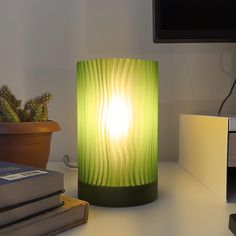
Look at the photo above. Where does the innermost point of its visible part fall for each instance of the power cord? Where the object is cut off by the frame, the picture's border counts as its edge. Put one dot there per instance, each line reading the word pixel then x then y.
pixel 66 160
pixel 226 98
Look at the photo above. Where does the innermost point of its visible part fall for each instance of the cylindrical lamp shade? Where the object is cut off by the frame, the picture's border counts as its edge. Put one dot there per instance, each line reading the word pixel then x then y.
pixel 117 119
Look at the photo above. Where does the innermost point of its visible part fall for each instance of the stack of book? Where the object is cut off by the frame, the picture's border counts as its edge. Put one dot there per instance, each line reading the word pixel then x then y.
pixel 31 202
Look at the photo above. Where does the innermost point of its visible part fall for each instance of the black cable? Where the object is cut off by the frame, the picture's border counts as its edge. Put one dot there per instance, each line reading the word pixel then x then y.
pixel 230 92
pixel 66 160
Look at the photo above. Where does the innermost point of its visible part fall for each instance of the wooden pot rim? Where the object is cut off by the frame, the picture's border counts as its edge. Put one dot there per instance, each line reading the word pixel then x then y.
pixel 29 127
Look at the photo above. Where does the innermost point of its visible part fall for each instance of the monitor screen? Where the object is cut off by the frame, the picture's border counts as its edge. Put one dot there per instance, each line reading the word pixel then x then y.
pixel 194 20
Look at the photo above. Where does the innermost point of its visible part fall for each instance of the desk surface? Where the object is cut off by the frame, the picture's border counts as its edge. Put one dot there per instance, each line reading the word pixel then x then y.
pixel 184 208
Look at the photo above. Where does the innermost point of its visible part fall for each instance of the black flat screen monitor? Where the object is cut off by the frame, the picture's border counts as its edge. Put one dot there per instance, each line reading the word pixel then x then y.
pixel 194 21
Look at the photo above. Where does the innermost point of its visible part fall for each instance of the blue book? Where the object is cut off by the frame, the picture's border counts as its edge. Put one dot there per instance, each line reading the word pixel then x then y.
pixel 20 184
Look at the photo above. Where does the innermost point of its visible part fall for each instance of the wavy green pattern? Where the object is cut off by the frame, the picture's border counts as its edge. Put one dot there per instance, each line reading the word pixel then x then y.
pixel 129 158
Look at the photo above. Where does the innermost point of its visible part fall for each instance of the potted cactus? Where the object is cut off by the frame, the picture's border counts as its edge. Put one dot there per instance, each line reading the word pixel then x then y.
pixel 25 132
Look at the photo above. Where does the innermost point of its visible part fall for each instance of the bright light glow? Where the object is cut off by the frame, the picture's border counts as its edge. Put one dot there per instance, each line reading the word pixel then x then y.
pixel 119 114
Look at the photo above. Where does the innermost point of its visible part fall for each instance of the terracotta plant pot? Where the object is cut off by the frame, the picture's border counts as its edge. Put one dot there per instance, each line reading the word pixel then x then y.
pixel 27 143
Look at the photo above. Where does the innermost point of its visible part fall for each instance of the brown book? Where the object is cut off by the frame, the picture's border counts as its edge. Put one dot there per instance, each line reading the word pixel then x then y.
pixel 73 213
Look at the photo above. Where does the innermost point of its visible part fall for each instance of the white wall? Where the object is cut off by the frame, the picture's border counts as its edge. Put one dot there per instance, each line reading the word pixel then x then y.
pixel 41 41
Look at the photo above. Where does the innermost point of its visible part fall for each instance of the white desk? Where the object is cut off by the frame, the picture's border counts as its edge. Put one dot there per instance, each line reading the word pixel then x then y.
pixel 184 208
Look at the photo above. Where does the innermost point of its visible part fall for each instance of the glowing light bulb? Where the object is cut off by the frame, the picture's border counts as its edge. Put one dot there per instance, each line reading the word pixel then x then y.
pixel 118 117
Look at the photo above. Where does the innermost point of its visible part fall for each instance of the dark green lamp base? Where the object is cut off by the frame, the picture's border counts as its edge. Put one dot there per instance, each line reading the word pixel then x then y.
pixel 117 196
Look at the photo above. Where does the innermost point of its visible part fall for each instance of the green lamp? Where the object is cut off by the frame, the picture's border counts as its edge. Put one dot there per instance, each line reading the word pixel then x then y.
pixel 117 120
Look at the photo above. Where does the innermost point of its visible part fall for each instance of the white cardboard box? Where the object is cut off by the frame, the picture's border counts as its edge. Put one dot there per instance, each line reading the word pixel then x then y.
pixel 207 150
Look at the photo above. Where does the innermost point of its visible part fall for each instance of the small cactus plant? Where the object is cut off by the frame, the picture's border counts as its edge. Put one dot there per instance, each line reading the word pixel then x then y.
pixel 34 109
